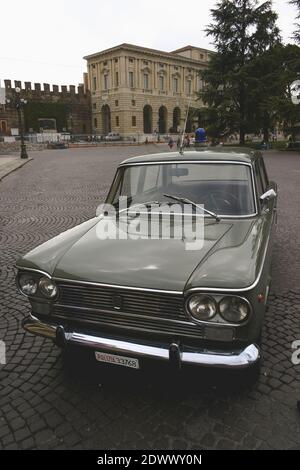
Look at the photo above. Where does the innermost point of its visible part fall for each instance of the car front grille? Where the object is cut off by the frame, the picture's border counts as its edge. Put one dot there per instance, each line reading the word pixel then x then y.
pixel 131 309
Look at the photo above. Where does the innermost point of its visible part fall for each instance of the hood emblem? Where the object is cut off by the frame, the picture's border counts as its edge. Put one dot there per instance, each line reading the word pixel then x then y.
pixel 117 302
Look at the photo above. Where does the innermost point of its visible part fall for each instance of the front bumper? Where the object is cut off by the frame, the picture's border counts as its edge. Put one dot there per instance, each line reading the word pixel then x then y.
pixel 174 354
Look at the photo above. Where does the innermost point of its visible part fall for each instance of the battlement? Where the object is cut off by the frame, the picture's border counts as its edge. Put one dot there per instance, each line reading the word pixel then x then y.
pixel 45 88
pixel 67 107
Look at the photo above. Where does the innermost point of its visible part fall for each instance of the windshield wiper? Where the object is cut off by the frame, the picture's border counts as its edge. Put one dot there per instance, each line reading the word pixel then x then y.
pixel 188 201
pixel 137 204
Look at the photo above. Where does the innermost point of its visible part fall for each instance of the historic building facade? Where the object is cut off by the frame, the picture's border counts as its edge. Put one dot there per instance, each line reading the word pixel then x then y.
pixel 57 109
pixel 136 90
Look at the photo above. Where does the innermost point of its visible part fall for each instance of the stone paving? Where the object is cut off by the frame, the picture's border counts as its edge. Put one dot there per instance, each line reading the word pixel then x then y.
pixel 44 405
pixel 8 164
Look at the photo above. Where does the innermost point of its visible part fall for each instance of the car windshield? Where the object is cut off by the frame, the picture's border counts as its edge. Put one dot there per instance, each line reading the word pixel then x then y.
pixel 224 188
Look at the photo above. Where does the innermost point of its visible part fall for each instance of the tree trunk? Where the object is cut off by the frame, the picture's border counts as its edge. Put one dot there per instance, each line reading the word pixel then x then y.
pixel 242 115
pixel 266 127
pixel 242 135
pixel 266 135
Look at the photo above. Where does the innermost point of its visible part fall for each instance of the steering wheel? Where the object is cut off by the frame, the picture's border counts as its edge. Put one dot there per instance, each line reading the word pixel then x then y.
pixel 221 200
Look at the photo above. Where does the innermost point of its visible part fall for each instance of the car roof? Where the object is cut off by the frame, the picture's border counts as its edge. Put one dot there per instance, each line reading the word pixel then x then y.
pixel 204 154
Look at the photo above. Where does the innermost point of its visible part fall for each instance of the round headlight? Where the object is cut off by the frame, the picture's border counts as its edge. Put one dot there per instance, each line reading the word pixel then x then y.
pixel 234 309
pixel 48 288
pixel 27 284
pixel 202 307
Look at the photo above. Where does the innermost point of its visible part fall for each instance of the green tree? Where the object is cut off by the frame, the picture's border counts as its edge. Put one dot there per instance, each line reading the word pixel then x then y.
pixel 270 77
pixel 242 30
pixel 296 34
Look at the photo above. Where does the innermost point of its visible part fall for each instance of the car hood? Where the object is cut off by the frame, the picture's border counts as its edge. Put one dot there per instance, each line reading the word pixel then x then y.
pixel 229 258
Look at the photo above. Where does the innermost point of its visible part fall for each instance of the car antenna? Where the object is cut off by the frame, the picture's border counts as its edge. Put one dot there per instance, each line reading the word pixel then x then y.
pixel 184 128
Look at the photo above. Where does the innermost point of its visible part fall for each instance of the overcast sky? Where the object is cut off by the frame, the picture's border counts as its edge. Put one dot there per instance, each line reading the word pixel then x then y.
pixel 45 41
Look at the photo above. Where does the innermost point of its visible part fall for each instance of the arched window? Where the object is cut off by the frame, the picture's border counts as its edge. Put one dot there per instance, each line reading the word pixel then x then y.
pixel 106 120
pixel 162 120
pixel 189 124
pixel 176 119
pixel 147 117
pixel 3 127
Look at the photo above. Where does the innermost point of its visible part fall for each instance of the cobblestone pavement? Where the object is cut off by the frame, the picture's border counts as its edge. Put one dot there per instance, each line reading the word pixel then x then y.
pixel 9 163
pixel 42 406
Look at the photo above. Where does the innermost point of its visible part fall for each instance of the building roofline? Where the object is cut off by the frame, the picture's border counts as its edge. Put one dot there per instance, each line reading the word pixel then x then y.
pixel 186 48
pixel 147 50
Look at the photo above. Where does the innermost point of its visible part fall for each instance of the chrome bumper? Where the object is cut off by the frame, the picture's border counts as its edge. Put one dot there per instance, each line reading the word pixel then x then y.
pixel 236 360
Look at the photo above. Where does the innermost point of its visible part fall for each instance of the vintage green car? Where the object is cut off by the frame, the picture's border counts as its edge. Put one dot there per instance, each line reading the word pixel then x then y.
pixel 131 298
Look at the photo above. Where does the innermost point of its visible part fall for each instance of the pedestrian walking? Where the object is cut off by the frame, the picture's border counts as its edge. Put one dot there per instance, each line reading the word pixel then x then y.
pixel 171 143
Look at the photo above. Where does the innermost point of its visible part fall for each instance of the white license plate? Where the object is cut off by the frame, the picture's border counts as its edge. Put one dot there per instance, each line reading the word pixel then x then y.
pixel 118 360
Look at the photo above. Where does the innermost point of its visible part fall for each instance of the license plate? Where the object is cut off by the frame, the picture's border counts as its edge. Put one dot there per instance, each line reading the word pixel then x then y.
pixel 118 360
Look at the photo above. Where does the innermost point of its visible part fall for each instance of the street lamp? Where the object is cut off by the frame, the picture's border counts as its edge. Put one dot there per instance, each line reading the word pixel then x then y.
pixel 19 104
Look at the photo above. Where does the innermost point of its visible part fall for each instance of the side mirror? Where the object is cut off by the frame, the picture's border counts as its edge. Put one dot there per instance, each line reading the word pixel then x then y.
pixel 270 194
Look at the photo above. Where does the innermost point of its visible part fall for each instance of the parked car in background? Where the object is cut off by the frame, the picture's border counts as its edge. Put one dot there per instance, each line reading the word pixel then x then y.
pixel 131 300
pixel 57 145
pixel 113 136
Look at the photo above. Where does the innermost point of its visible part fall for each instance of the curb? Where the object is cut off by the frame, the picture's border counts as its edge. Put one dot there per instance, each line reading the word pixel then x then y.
pixel 16 168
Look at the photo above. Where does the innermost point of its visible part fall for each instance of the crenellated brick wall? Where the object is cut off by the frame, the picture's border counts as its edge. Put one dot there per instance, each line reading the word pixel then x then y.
pixel 74 102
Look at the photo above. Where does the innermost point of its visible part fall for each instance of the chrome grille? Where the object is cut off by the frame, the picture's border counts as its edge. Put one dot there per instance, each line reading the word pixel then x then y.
pixel 130 322
pixel 133 301
pixel 139 311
